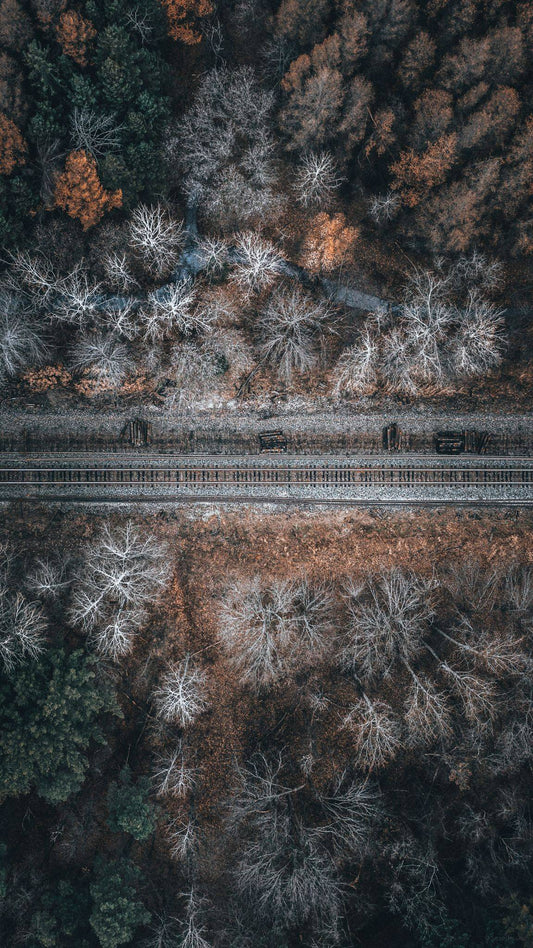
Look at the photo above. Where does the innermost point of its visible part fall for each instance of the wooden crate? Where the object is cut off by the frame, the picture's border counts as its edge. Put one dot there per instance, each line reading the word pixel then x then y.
pixel 272 441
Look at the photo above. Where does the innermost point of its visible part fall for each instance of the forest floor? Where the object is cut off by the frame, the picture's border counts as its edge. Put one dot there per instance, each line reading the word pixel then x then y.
pixel 211 549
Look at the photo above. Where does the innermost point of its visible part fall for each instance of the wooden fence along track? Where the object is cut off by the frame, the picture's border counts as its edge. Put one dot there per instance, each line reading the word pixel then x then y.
pixel 382 479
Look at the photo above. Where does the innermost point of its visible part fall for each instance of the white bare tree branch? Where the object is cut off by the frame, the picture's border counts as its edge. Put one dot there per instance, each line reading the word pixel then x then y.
pixel 316 178
pixel 117 580
pixel 94 132
pixel 182 836
pixel 388 616
pixel 181 698
pixel 172 775
pixel 376 730
pixel 257 263
pixel 106 356
pixel 172 310
pixel 118 271
pixel 21 343
pixel 356 371
pixel 193 929
pixel 23 624
pixel 291 329
pixel 384 207
pixel 156 238
pixel 269 629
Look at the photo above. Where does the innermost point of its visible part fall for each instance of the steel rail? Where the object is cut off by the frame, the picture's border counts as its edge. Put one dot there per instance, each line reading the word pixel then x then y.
pixel 218 478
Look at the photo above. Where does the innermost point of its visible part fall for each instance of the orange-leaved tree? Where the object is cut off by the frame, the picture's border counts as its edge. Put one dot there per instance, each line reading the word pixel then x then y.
pixel 74 33
pixel 79 191
pixel 13 148
pixel 328 242
pixel 415 175
pixel 181 17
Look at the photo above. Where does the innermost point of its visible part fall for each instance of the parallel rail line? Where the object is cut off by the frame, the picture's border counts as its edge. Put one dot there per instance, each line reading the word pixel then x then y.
pixel 336 476
pixel 260 477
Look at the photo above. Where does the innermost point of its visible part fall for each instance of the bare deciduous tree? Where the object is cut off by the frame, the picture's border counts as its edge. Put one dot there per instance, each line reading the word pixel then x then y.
pixel 94 132
pixel 427 714
pixel 268 629
pixel 34 275
pixel 479 696
pixel 356 371
pixel 164 933
pixel 384 207
pixel 437 336
pixel 173 776
pixel 118 271
pixel 115 583
pixel 289 875
pixel 376 730
pixel 49 578
pixel 141 22
pixel 224 147
pixel 479 341
pixel 352 808
pixel 182 836
pixel 22 623
pixel 477 270
pixel 181 697
pixel 257 264
pixel 115 632
pixel 316 178
pixel 501 653
pixel 21 343
pixel 171 310
pixel 413 892
pixel 195 371
pixel 286 865
pixel 388 616
pixel 76 299
pixel 106 356
pixel 156 238
pixel 23 635
pixel 119 316
pixel 519 591
pixel 239 196
pixel 291 329
pixel 213 252
pixel 193 930
pixel 471 590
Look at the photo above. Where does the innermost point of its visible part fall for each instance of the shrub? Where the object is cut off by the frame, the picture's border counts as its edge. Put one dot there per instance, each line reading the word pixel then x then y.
pixel 129 808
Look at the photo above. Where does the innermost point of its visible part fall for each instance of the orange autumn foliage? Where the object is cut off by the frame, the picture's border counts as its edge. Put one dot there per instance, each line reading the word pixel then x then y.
pixel 415 175
pixel 79 191
pixel 73 34
pixel 13 148
pixel 328 242
pixel 46 378
pixel 181 15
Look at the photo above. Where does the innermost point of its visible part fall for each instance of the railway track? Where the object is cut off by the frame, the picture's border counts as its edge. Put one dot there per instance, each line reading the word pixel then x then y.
pixel 413 478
